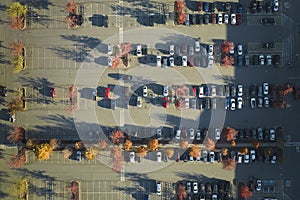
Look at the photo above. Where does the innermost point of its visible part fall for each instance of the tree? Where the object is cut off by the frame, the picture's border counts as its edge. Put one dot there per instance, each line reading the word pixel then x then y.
pixel 17 47
pixel 233 143
pixel 17 62
pixel 43 151
pixel 153 144
pixel 286 90
pixel 244 150
pixel 16 10
pixel 16 135
pixel 127 145
pixel 224 151
pixel 91 153
pixel 15 105
pixel 195 151
pixel 184 144
pixel 229 164
pixel 117 159
pixel 71 7
pixel 210 144
pixel 53 143
pixel 179 103
pixel 227 60
pixel 74 188
pixel 79 145
pixel 67 152
pixel 141 151
pixel 181 91
pixel 17 161
pixel 229 133
pixel 116 136
pixel 227 46
pixel 20 188
pixel 256 144
pixel 268 151
pixel 17 23
pixel 245 192
pixel 169 152
pixel 181 192
pixel 180 15
pixel 116 61
pixel 31 143
pixel 103 144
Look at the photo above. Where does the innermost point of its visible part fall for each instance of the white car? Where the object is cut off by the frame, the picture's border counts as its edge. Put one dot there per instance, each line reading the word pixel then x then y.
pixel 158 134
pixel 240 49
pixel 217 133
pixel 158 155
pixel 266 102
pixel 139 102
pixel 187 103
pixel 132 157
pixel 198 135
pixel 240 90
pixel 211 50
pixel 275 6
pixel 239 102
pixel 210 61
pixel 226 18
pixel 195 187
pixel 139 50
pixel 158 61
pixel 178 134
pixel 171 61
pixel 258 185
pixel 211 157
pixel 158 188
pixel 166 91
pixel 266 88
pixel 184 61
pixel 232 104
pixel 239 157
pixel 233 18
pixel 109 61
pixel 272 135
pixel 197 46
pixel 172 47
pixel 213 91
pixel 253 155
pixel 192 133
pixel 220 18
pixel 78 156
pixel 145 91
pixel 246 158
pixel 109 49
pixel 201 92
pixel 269 60
pixel 261 60
pixel 232 50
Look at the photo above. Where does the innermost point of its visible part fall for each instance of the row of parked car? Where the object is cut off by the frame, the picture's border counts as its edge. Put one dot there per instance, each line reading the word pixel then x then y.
pixel 227 18
pixel 257 6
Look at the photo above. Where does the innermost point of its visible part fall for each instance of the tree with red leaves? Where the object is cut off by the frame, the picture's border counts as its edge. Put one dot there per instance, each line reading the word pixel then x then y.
pixel 286 90
pixel 17 161
pixel 180 15
pixel 210 144
pixel 16 135
pixel 245 192
pixel 229 164
pixel 181 91
pixel 229 133
pixel 74 187
pixel 227 46
pixel 227 61
pixel 181 192
pixel 116 136
pixel 179 103
pixel 17 48
pixel 71 7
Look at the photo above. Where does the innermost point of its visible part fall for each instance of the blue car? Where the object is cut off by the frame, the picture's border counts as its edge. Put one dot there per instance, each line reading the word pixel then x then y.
pixel 207 91
pixel 205 6
pixel 239 8
pixel 239 61
pixel 227 103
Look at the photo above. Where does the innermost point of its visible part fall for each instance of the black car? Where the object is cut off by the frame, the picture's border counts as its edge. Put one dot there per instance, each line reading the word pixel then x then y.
pixel 268 7
pixel 219 156
pixel 126 77
pixel 213 6
pixel 259 6
pixel 200 18
pixel 204 134
pixel 268 45
pixel 206 19
pixel 252 91
pixel 3 91
pixel 105 21
pixel 255 60
pixel 207 103
pixel 239 61
pixel 253 7
pixel 276 60
pixel 227 7
pixel 267 20
pixel 151 20
pixel 205 6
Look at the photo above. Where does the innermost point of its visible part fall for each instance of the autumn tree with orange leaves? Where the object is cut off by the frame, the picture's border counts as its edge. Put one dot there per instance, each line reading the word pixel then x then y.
pixel 245 192
pixel 256 144
pixel 17 161
pixel 71 7
pixel 226 46
pixel 229 133
pixel 103 144
pixel 43 151
pixel 67 152
pixel 195 151
pixel 116 136
pixel 224 151
pixel 169 152
pixel 141 151
pixel 74 188
pixel 232 143
pixel 17 48
pixel 79 145
pixel 244 150
pixel 17 134
pixel 127 145
pixel 229 164
pixel 227 60
pixel 184 144
pixel 153 145
pixel 181 192
pixel 180 15
pixel 91 153
pixel 17 14
pixel 210 144
pixel 179 103
pixel 32 143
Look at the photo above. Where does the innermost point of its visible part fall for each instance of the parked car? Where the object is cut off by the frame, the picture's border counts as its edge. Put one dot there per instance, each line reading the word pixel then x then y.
pixel 3 91
pixel 172 50
pixel 178 134
pixel 247 60
pixel 275 6
pixel 220 18
pixel 226 18
pixel 272 135
pixel 261 60
pixel 210 50
pixel 158 134
pixel 254 7
pixel 252 155
pixel 158 156
pixel 204 156
pixel 260 133
pixel 213 91
pixel 200 6
pixel 109 49
pixel 217 133
pixel 109 61
pixel 260 102
pixel 201 92
pixel 239 102
pixel 158 188
pixel 165 102
pixel 240 49
pixel 139 50
pixel 239 8
pixel 266 102
pixel 232 104
pixel 266 88
pixel 198 135
pixel 139 102
pixel 239 157
pixel 206 19
pixel 213 18
pixel 132 157
pixel 259 6
pixel 240 90
pixel 187 103
pixel 188 187
pixel 165 91
pixel 191 50
pixel 195 187
pixel 197 46
pixel 258 185
pixel 233 91
pixel 187 19
pixel 211 157
pixel 158 61
pixel 184 61
pixel 206 6
pixel 253 102
pixel 171 61
pixel 192 134
pixel 273 158
pixel 145 91
pixel 233 18
pixel 269 60
pixel 238 19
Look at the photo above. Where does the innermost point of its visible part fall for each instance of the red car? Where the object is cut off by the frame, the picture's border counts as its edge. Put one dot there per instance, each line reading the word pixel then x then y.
pixel 165 102
pixel 194 91
pixel 213 18
pixel 52 92
pixel 200 7
pixel 107 93
pixel 238 19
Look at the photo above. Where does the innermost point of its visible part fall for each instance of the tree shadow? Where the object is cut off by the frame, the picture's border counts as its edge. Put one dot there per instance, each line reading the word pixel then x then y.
pixel 76 55
pixel 102 60
pixel 41 4
pixel 4 114
pixel 2 58
pixel 90 42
